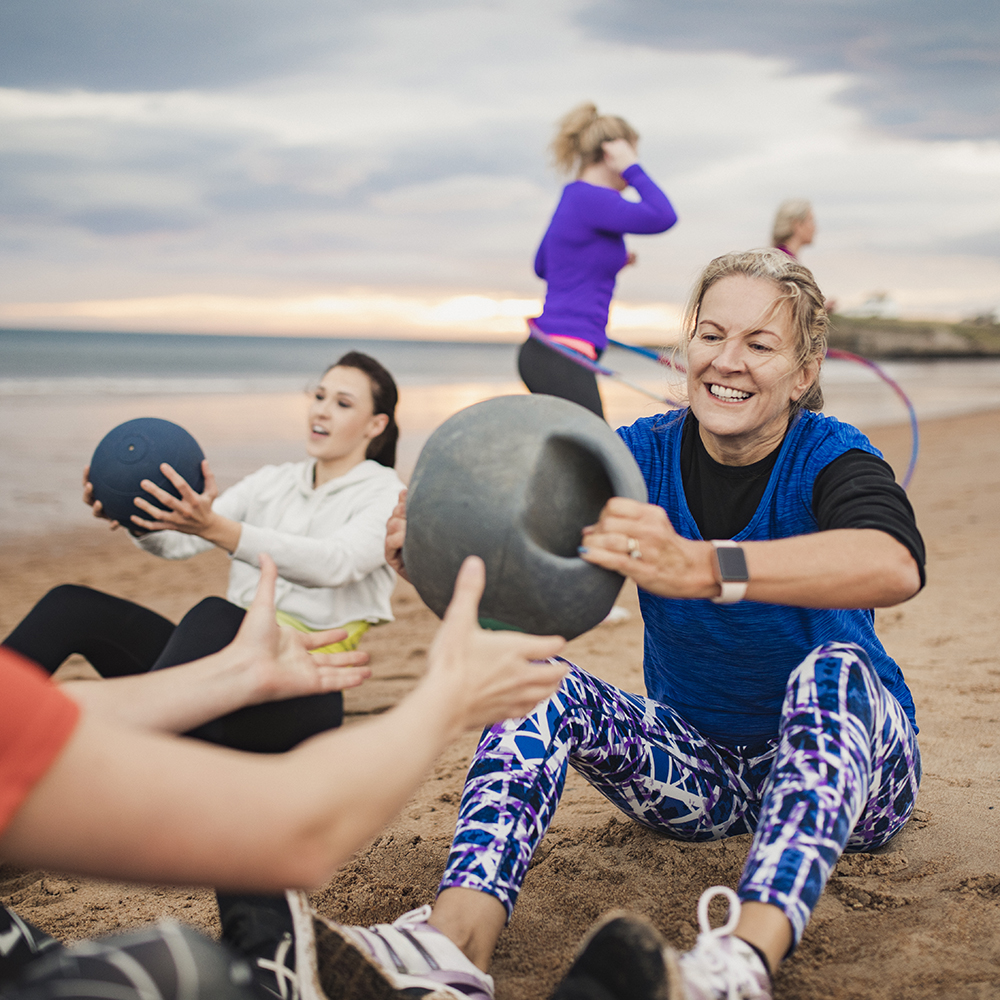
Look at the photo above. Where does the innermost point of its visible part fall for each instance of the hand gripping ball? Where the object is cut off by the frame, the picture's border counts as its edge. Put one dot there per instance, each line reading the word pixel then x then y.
pixel 514 480
pixel 134 451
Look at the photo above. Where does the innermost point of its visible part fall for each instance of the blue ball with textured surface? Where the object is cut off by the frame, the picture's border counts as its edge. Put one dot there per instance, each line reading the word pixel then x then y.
pixel 134 451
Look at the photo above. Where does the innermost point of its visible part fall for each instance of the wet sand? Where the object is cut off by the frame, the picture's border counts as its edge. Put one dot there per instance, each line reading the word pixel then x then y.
pixel 919 920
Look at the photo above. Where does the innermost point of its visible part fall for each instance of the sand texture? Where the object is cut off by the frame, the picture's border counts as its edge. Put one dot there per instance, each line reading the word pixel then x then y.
pixel 920 919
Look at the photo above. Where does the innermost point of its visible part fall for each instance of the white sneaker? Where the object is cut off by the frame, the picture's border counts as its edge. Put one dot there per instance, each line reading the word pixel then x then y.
pixel 722 966
pixel 405 959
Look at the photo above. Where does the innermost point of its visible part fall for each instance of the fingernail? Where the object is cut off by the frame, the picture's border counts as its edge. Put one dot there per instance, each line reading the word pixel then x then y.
pixel 582 550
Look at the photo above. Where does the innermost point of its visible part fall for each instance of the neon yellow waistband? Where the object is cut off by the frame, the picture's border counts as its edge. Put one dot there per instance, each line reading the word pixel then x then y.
pixel 355 630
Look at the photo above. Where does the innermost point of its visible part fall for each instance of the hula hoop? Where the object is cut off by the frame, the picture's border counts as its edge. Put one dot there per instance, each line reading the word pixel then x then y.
pixel 834 352
pixel 593 366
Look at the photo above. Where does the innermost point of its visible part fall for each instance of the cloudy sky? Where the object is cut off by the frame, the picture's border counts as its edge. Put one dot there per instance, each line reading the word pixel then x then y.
pixel 344 167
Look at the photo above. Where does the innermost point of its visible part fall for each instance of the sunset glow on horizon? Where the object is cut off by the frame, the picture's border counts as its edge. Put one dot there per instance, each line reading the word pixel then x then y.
pixel 361 313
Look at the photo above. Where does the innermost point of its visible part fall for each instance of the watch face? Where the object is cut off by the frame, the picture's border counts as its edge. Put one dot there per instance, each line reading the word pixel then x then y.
pixel 732 565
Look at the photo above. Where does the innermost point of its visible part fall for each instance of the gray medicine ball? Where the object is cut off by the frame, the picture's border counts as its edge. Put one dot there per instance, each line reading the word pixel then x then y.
pixel 514 480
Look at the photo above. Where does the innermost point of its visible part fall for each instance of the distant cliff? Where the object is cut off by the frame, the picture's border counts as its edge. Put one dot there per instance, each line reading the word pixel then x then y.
pixel 900 338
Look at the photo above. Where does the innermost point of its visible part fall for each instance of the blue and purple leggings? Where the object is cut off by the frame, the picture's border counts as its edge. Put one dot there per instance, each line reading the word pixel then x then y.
pixel 841 775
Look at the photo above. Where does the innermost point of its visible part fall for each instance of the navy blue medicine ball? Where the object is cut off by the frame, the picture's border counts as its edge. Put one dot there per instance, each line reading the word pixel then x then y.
pixel 134 451
pixel 514 480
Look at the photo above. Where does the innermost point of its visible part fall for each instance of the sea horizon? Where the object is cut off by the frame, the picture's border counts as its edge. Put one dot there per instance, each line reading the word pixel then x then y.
pixel 242 397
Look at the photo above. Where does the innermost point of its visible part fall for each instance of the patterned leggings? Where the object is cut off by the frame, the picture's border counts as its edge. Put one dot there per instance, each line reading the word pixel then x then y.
pixel 842 775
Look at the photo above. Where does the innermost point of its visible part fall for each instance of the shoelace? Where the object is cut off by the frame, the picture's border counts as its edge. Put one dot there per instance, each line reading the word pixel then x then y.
pixel 286 979
pixel 709 965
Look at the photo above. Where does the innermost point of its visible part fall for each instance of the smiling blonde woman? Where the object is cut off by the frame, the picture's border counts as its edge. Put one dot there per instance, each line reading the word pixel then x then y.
pixel 771 706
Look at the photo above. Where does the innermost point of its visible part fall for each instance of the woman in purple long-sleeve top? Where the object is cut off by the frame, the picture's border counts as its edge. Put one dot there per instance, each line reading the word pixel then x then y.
pixel 583 250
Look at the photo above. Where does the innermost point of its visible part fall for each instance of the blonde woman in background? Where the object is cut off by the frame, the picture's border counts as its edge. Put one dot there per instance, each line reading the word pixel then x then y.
pixel 583 250
pixel 794 226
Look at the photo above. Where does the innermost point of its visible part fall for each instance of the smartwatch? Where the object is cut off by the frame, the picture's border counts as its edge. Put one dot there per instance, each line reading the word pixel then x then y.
pixel 733 573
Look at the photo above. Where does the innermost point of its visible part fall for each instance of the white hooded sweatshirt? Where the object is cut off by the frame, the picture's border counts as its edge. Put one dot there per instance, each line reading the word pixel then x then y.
pixel 328 543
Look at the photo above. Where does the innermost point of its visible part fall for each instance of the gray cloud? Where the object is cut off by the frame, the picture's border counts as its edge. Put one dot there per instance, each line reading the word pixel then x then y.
pixel 121 45
pixel 926 69
pixel 129 220
pixel 323 143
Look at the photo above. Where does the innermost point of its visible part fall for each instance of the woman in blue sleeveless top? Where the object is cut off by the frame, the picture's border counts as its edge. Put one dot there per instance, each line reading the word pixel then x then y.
pixel 772 708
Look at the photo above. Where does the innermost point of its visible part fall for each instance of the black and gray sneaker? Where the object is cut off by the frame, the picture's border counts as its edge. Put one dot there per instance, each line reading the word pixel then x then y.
pixel 20 944
pixel 622 957
pixel 260 928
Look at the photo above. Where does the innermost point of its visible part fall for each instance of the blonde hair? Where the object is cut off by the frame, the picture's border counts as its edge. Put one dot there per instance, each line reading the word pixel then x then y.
pixel 790 211
pixel 797 287
pixel 580 135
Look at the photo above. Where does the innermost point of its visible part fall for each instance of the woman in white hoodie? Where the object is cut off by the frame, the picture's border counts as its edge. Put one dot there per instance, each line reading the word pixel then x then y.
pixel 321 520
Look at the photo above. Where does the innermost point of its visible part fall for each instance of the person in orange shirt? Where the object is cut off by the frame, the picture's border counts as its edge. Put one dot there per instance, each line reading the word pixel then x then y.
pixel 188 812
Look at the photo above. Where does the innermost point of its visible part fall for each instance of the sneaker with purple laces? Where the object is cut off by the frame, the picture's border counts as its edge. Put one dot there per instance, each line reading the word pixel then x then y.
pixel 404 960
pixel 624 958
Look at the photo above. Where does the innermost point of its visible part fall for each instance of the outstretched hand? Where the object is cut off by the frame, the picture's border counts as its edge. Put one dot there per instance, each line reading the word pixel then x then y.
pixel 486 676
pixel 395 535
pixel 637 540
pixel 280 656
pixel 190 513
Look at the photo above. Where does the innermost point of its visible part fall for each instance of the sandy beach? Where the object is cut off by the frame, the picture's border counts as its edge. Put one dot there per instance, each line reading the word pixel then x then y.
pixel 920 919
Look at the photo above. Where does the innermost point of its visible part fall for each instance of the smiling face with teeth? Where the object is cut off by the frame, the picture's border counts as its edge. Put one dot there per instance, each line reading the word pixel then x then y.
pixel 743 372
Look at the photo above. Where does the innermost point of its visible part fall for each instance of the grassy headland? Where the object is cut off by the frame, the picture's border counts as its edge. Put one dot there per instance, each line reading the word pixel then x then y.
pixel 900 338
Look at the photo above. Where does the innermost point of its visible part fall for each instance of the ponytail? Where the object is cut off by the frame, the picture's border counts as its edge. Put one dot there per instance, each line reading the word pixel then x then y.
pixel 581 135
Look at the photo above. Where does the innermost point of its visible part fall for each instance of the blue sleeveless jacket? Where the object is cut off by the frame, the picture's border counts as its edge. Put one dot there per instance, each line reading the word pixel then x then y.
pixel 724 667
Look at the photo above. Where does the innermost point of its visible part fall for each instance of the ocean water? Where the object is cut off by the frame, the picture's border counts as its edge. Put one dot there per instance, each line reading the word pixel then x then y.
pixel 34 362
pixel 243 399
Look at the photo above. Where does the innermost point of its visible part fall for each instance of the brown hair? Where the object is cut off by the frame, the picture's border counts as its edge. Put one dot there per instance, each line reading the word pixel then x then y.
pixel 797 287
pixel 385 395
pixel 580 135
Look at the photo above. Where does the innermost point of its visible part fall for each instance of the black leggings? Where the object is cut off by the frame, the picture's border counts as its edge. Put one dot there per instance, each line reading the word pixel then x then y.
pixel 120 638
pixel 550 373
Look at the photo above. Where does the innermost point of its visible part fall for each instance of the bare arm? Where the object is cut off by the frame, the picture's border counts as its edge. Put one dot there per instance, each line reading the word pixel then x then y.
pixel 843 568
pixel 187 812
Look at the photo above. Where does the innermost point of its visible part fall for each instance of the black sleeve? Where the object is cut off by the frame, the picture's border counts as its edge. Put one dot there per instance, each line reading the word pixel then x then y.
pixel 859 490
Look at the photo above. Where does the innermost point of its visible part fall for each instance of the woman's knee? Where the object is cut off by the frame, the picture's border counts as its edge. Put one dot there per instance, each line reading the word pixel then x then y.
pixel 71 598
pixel 827 664
pixel 70 592
pixel 213 611
pixel 836 677
pixel 208 627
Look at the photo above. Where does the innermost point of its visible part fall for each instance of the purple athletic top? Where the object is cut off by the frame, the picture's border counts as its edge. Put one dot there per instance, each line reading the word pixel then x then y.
pixel 583 250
